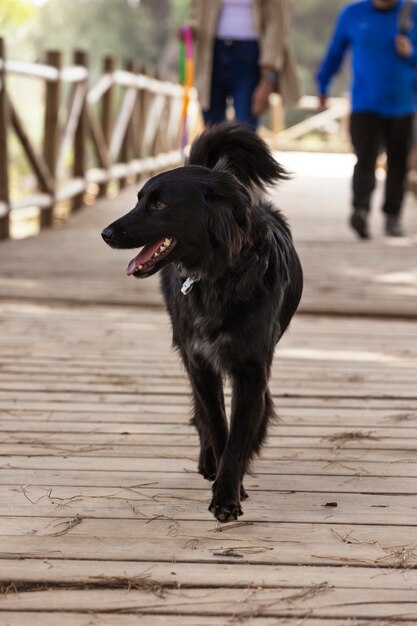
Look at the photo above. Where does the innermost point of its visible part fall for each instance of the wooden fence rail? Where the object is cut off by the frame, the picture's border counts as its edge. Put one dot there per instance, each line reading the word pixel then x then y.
pixel 125 125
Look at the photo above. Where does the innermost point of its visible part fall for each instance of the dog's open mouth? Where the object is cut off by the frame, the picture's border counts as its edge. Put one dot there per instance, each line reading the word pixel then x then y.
pixel 149 256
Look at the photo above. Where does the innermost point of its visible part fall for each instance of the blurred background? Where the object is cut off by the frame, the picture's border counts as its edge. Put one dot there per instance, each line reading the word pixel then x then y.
pixel 139 29
pixel 143 31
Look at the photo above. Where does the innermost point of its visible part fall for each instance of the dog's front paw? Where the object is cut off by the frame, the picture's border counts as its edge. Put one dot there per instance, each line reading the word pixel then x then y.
pixel 224 507
pixel 225 512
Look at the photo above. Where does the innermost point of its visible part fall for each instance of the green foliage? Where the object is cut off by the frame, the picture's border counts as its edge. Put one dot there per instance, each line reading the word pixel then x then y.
pixel 123 28
pixel 180 11
pixel 16 20
pixel 14 13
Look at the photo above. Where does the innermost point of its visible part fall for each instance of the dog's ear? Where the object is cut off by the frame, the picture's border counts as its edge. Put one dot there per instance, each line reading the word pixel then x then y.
pixel 228 210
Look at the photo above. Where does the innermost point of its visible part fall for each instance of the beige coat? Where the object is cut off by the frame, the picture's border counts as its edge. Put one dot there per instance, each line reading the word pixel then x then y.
pixel 272 21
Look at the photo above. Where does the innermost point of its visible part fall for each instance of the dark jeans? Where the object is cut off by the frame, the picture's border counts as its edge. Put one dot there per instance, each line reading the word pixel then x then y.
pixel 370 133
pixel 236 75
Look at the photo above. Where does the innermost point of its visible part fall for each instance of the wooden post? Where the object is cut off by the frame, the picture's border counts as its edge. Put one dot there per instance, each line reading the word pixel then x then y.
pixel 80 139
pixel 147 99
pixel 51 128
pixel 156 146
pixel 277 113
pixel 109 67
pixel 139 121
pixel 124 152
pixel 4 124
pixel 148 124
pixel 136 117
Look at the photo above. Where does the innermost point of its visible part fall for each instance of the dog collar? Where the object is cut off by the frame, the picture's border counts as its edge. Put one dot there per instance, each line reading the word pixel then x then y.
pixel 189 281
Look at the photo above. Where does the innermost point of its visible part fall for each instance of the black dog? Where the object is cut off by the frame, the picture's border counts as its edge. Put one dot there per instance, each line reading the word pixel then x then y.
pixel 231 281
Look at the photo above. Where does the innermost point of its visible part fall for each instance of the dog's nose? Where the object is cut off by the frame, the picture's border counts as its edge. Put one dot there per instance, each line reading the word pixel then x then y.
pixel 107 234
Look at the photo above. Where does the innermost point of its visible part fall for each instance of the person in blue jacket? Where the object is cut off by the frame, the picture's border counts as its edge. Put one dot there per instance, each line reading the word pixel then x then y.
pixel 382 37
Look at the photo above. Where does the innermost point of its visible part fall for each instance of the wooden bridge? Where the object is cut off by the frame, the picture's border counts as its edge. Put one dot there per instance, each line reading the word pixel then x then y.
pixel 104 519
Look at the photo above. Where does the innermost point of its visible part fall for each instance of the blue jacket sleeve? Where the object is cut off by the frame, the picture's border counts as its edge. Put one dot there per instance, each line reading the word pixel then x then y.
pixel 335 53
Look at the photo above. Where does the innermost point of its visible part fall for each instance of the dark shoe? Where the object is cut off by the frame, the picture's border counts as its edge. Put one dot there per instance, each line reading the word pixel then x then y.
pixel 359 223
pixel 393 227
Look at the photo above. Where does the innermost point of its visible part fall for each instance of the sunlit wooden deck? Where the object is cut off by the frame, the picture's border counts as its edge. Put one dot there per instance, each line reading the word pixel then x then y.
pixel 104 519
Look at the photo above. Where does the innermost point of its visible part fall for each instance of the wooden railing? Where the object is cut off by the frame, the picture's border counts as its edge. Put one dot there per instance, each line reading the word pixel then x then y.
pixel 130 119
pixel 331 123
pixel 124 127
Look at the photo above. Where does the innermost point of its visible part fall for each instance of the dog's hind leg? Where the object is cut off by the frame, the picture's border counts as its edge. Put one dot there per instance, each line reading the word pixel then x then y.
pixel 268 414
pixel 249 413
pixel 209 417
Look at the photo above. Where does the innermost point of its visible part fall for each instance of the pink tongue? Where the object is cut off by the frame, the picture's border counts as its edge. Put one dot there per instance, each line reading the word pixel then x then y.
pixel 144 256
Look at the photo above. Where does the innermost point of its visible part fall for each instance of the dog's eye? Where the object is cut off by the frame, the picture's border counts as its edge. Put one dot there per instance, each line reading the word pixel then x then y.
pixel 158 205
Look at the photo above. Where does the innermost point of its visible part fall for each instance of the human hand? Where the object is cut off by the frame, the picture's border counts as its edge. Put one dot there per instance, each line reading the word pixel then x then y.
pixel 181 36
pixel 404 46
pixel 322 98
pixel 260 97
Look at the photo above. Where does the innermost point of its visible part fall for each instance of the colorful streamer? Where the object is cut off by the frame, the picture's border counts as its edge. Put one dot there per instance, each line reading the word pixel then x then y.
pixel 186 75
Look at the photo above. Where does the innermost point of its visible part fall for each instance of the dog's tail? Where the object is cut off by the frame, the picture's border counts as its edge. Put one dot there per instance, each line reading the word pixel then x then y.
pixel 243 151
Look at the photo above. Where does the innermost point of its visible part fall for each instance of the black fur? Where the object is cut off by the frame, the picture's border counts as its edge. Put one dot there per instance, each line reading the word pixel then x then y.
pixel 250 283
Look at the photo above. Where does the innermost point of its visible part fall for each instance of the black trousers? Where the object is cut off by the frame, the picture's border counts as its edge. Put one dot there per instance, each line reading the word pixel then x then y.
pixel 370 133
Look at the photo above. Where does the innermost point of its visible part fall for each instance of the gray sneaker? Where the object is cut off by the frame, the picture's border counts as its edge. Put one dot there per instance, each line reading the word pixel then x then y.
pixel 359 223
pixel 393 227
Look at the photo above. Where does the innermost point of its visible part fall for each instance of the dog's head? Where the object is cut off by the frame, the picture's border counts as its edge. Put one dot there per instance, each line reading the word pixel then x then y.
pixel 192 215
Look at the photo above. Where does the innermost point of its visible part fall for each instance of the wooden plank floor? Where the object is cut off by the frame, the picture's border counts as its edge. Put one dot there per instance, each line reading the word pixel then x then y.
pixel 104 519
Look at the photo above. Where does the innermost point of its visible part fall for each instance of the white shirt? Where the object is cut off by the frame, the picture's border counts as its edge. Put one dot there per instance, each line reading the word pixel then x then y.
pixel 236 20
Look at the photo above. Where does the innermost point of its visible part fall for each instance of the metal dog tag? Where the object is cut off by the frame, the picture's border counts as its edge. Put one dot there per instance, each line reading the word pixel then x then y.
pixel 188 284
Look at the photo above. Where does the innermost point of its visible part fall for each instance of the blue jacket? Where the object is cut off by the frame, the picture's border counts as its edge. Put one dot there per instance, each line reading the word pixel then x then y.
pixel 383 82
